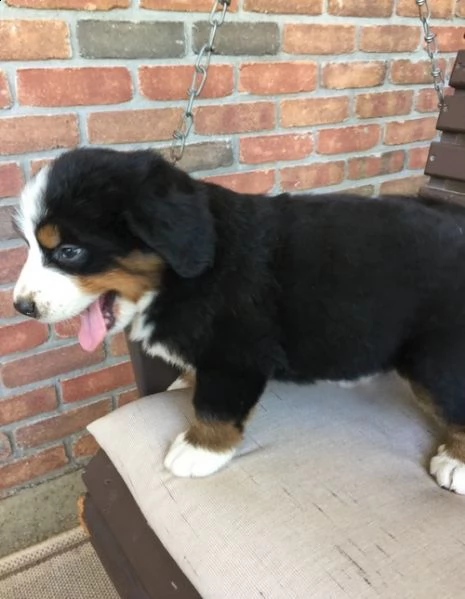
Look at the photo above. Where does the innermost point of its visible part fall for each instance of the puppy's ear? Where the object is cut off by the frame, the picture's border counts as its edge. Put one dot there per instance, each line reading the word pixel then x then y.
pixel 178 226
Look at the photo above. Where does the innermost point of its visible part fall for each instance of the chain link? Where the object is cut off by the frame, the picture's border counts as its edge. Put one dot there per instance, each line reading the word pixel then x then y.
pixel 199 78
pixel 216 20
pixel 432 50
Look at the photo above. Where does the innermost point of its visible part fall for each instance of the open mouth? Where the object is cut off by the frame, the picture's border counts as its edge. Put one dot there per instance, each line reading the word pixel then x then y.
pixel 96 320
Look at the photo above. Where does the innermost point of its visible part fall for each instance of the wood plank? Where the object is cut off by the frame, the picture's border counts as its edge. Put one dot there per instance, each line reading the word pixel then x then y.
pixel 152 374
pixel 431 192
pixel 446 161
pixel 457 78
pixel 157 572
pixel 452 116
pixel 115 562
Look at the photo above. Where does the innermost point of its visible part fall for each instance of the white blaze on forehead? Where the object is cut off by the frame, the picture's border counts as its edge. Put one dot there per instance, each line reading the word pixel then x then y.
pixel 31 203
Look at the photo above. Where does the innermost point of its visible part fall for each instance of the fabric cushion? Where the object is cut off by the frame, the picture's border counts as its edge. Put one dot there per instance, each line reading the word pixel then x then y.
pixel 329 496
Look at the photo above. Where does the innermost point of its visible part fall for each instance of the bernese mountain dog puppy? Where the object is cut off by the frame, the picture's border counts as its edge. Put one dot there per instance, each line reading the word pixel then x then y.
pixel 247 288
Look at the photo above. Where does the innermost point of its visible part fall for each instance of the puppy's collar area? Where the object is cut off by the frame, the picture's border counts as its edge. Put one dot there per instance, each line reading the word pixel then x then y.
pixel 96 320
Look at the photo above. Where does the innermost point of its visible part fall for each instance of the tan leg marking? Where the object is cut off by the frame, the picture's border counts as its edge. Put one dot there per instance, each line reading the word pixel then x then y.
pixel 426 402
pixel 455 442
pixel 214 436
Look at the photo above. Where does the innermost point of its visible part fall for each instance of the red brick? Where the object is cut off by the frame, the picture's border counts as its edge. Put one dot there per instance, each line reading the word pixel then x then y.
pixel 309 38
pixel 374 166
pixel 344 75
pixel 305 112
pixel 46 364
pixel 271 148
pixel 85 447
pixel 68 328
pixel 405 71
pixel 440 9
pixel 311 176
pixel 405 186
pixel 7 231
pixel 97 382
pixel 362 190
pixel 129 126
pixel 170 82
pixel 427 101
pixel 417 157
pixel 34 40
pixel 5 96
pixel 11 262
pixel 389 38
pixel 234 118
pixel 450 38
pixel 11 179
pixel 73 86
pixel 460 9
pixel 127 397
pixel 61 425
pixel 23 134
pixel 348 139
pixel 278 77
pixel 402 132
pixel 302 7
pixel 182 5
pixel 25 405
pixel 118 345
pixel 22 336
pixel 379 104
pixel 360 8
pixel 7 309
pixel 31 467
pixel 70 4
pixel 250 182
pixel 5 447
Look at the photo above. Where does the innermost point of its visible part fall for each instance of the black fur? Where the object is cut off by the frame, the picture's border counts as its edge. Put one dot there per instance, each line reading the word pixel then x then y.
pixel 293 288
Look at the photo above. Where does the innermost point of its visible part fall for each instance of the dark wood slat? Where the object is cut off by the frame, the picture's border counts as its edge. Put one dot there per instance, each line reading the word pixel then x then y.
pixel 452 117
pixel 157 572
pixel 116 564
pixel 457 79
pixel 152 374
pixel 440 193
pixel 446 161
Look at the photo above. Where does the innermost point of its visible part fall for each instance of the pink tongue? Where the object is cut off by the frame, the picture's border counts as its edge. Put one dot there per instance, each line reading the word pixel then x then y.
pixel 93 329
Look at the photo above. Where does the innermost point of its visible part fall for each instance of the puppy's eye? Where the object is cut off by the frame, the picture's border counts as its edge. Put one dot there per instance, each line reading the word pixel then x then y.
pixel 69 254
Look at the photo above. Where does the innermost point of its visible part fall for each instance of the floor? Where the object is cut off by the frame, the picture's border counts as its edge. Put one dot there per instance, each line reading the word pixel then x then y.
pixel 62 567
pixel 39 513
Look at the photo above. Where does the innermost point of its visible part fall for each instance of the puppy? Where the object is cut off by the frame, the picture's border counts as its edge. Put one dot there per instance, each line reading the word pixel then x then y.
pixel 246 288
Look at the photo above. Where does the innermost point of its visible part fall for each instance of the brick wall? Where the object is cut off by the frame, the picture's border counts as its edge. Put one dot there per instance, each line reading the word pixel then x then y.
pixel 327 94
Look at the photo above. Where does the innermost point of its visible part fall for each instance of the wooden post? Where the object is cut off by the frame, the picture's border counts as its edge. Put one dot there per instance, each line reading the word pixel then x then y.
pixel 446 159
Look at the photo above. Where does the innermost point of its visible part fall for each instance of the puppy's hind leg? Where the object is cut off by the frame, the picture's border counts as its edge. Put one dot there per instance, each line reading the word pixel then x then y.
pixel 448 465
pixel 436 370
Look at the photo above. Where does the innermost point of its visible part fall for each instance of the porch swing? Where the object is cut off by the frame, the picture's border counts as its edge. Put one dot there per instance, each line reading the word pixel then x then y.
pixel 354 554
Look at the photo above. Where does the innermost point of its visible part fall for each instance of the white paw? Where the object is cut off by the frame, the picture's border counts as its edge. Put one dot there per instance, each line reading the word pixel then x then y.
pixel 183 459
pixel 448 471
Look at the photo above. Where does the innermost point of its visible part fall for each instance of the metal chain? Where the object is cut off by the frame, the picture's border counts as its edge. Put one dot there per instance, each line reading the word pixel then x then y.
pixel 180 135
pixel 432 50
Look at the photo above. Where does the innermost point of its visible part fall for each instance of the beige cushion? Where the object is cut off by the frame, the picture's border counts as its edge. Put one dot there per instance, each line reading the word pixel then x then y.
pixel 329 497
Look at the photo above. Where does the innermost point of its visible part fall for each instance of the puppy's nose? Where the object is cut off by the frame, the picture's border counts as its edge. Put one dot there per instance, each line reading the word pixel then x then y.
pixel 27 307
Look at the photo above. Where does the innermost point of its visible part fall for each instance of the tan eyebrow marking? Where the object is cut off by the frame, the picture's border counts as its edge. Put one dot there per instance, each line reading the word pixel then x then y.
pixel 49 236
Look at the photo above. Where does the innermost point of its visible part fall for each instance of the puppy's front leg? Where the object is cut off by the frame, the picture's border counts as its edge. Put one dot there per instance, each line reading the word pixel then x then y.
pixel 222 402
